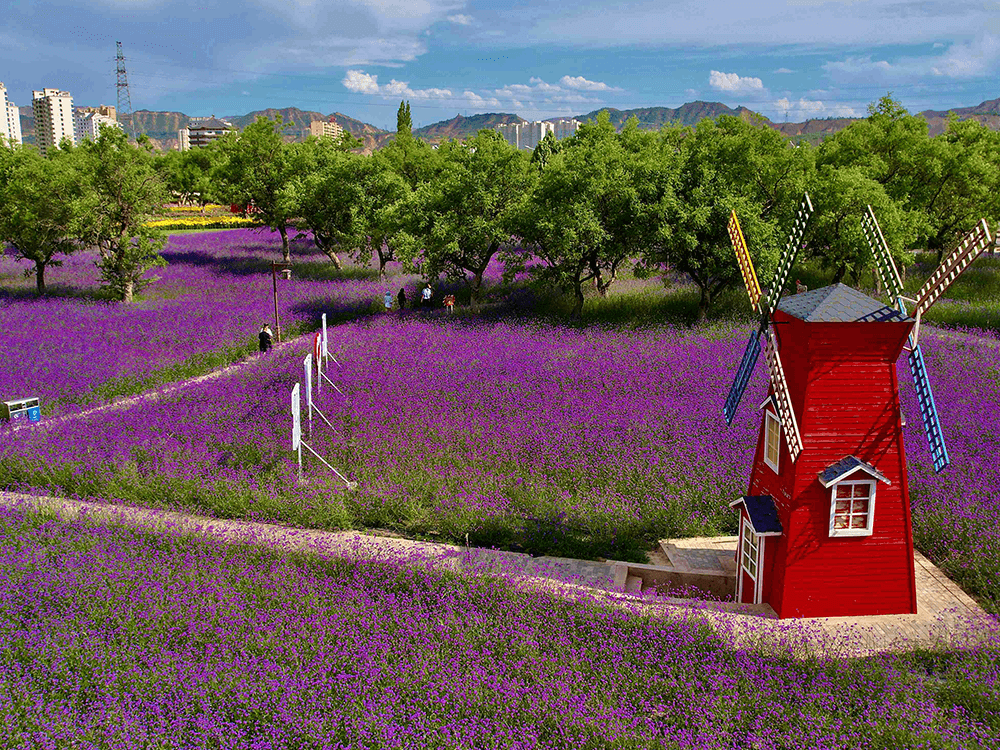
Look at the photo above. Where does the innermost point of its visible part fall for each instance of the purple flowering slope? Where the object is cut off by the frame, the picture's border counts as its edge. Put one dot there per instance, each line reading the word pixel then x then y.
pixel 212 297
pixel 113 638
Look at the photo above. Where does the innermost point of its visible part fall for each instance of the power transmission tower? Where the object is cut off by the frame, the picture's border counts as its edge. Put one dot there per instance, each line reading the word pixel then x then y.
pixel 124 98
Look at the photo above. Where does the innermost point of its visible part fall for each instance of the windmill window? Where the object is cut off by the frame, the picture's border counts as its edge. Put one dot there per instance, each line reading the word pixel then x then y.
pixel 751 545
pixel 852 508
pixel 772 439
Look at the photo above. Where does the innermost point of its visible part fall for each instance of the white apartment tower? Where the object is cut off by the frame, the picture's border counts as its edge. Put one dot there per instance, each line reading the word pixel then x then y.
pixel 10 118
pixel 87 123
pixel 320 128
pixel 527 135
pixel 53 118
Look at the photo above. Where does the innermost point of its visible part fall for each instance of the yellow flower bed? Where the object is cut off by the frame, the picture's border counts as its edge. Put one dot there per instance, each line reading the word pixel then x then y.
pixel 203 222
pixel 208 207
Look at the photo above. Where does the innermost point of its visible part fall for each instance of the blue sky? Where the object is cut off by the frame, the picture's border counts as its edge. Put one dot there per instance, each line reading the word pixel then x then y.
pixel 789 60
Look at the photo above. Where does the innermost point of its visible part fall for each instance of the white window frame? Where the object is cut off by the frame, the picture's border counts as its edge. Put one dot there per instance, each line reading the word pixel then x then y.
pixel 867 531
pixel 771 425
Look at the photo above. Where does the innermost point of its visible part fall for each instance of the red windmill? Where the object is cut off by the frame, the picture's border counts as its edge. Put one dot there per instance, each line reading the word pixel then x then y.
pixel 825 526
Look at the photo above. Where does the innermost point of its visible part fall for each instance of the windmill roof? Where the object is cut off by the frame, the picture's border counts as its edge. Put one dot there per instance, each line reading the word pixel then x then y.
pixel 839 303
pixel 847 466
pixel 763 514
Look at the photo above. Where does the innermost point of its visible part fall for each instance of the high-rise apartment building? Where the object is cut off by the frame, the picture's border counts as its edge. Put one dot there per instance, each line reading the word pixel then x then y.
pixel 10 118
pixel 527 135
pixel 87 122
pixel 329 128
pixel 53 118
pixel 202 131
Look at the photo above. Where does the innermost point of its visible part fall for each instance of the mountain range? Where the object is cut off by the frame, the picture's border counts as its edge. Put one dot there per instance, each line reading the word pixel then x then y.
pixel 162 127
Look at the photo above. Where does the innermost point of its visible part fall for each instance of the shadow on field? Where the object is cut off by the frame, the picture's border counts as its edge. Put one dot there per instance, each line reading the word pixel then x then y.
pixel 313 269
pixel 56 291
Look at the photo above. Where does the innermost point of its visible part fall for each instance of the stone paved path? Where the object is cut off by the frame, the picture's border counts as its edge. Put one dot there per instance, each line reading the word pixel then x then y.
pixel 948 617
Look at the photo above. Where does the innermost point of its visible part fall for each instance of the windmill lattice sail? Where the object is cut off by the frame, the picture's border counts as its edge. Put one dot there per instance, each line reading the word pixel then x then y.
pixel 966 252
pixel 785 412
pixel 884 263
pixel 744 262
pixel 928 411
pixel 788 256
pixel 743 374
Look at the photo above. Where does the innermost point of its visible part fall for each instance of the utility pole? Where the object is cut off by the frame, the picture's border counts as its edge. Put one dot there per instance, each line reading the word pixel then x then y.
pixel 124 98
pixel 286 272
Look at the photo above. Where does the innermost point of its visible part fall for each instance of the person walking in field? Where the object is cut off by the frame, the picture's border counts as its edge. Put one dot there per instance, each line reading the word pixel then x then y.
pixel 388 301
pixel 449 302
pixel 401 297
pixel 265 338
pixel 425 297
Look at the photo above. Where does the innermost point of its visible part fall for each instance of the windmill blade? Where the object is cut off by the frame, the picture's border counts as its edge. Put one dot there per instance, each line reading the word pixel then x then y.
pixel 786 414
pixel 971 246
pixel 788 256
pixel 884 263
pixel 743 374
pixel 928 412
pixel 744 262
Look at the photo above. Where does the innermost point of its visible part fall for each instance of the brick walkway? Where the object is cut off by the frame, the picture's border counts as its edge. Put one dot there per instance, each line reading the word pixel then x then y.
pixel 947 616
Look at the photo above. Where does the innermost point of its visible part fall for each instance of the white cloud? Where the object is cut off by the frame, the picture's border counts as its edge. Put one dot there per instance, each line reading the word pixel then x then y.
pixel 582 84
pixel 784 70
pixel 734 82
pixel 360 82
pixel 461 19
pixel 977 59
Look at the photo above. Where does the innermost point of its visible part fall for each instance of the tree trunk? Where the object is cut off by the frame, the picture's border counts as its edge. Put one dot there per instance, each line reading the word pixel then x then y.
pixel 704 303
pixel 127 292
pixel 477 288
pixel 40 277
pixel 839 275
pixel 286 253
pixel 577 312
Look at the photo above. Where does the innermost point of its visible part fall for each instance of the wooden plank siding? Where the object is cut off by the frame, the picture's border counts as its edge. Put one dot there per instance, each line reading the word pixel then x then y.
pixel 845 394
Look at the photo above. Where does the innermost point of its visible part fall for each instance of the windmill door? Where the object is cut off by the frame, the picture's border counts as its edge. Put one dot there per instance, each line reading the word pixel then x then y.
pixel 749 578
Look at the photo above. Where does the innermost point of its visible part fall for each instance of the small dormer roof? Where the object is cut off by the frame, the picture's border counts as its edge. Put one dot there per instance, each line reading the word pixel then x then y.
pixel 763 515
pixel 845 467
pixel 839 303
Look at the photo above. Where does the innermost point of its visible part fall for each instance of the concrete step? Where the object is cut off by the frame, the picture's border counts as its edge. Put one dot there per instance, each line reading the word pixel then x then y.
pixel 633 585
pixel 676 558
pixel 728 562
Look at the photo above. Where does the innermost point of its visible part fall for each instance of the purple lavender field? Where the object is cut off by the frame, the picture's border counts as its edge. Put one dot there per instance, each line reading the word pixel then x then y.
pixel 116 638
pixel 210 300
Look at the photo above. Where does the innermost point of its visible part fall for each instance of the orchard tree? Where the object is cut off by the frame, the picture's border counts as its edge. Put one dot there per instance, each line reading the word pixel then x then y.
pixel 122 191
pixel 189 174
pixel 728 165
pixel 255 170
pixel 841 196
pixel 42 210
pixel 597 204
pixel 347 202
pixel 460 220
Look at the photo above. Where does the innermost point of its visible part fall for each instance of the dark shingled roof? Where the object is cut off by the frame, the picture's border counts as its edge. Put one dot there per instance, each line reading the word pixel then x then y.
pixel 838 303
pixel 848 464
pixel 763 514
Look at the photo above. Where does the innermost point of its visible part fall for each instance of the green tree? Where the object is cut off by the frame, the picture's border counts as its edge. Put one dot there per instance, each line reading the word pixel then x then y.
pixel 42 210
pixel 189 175
pixel 123 191
pixel 841 196
pixel 459 221
pixel 546 148
pixel 404 123
pixel 255 171
pixel 346 201
pixel 597 204
pixel 724 166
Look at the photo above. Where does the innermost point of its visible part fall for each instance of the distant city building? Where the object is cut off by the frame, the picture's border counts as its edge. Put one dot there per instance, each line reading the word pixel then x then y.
pixel 329 128
pixel 10 118
pixel 53 118
pixel 202 131
pixel 527 135
pixel 104 109
pixel 87 122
